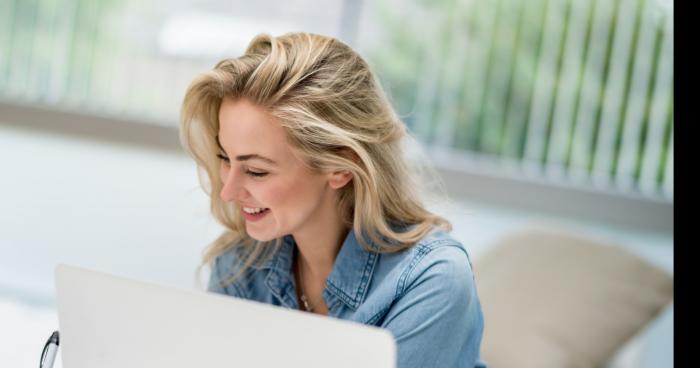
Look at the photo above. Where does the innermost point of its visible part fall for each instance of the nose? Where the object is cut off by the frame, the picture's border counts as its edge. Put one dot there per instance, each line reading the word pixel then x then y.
pixel 232 187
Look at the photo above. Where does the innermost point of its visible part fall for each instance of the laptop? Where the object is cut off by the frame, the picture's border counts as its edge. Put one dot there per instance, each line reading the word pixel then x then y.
pixel 109 321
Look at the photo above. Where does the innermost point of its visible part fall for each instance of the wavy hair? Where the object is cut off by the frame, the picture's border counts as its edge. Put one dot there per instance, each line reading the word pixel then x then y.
pixel 336 116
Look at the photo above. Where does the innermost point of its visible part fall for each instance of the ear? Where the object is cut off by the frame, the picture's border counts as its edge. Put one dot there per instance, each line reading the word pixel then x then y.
pixel 339 179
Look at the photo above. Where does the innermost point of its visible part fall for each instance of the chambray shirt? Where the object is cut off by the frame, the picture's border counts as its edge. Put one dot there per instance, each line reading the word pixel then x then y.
pixel 425 296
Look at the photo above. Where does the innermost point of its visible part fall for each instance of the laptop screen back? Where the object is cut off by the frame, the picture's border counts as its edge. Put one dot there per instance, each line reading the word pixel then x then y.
pixel 109 321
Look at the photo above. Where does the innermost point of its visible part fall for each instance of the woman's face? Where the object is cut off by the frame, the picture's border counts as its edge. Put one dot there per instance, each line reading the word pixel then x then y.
pixel 259 170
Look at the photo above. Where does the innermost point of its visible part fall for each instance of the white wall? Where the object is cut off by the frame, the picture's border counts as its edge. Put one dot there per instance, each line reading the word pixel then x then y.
pixel 122 209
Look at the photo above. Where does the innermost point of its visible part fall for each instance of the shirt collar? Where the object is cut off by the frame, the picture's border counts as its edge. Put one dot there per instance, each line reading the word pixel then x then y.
pixel 349 279
pixel 352 272
pixel 282 260
pixel 279 278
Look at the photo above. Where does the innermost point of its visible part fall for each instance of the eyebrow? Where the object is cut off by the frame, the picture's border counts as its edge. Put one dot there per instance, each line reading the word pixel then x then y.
pixel 247 157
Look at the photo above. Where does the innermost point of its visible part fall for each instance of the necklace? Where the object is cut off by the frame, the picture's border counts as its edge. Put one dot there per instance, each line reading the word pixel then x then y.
pixel 304 299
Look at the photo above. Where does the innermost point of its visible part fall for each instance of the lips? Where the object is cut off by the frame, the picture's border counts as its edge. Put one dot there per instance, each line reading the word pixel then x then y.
pixel 255 216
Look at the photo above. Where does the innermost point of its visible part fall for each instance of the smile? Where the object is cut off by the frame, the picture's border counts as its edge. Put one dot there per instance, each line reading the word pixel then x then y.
pixel 257 213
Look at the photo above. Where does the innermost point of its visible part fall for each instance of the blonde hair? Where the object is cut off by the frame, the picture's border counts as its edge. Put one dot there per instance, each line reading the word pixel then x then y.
pixel 336 116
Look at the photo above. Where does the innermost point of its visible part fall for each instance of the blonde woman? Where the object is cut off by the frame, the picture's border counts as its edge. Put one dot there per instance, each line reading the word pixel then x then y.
pixel 300 152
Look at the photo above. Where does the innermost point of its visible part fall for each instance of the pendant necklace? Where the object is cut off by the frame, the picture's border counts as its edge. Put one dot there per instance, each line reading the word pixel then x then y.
pixel 304 299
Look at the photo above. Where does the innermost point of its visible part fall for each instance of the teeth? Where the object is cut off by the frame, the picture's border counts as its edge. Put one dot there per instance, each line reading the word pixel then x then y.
pixel 253 210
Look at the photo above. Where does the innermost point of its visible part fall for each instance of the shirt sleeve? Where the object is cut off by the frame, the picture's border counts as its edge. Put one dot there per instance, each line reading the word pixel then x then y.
pixel 437 320
pixel 215 285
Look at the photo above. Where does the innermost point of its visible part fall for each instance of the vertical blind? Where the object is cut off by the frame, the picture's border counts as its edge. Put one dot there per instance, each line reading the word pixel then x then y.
pixel 579 91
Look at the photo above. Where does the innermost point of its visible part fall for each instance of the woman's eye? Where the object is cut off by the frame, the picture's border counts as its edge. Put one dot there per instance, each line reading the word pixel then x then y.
pixel 248 172
pixel 255 173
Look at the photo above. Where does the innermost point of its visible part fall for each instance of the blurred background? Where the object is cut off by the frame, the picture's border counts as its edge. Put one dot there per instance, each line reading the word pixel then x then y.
pixel 533 111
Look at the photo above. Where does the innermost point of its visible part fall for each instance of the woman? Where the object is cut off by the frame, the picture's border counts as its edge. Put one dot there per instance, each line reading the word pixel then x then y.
pixel 300 152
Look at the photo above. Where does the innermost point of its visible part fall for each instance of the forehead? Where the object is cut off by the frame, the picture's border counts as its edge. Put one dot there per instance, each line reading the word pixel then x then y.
pixel 245 128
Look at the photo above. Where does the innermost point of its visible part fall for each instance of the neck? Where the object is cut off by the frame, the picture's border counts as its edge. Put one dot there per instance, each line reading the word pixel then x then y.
pixel 320 241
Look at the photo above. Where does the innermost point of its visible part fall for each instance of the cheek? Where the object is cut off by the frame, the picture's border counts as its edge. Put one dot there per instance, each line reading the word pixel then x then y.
pixel 294 195
pixel 276 196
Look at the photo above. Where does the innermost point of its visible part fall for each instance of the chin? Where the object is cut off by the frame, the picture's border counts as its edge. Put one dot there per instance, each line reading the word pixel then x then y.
pixel 262 239
pixel 264 236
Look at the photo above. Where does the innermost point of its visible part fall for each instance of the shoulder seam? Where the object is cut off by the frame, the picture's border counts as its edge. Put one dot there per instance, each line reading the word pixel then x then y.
pixel 423 250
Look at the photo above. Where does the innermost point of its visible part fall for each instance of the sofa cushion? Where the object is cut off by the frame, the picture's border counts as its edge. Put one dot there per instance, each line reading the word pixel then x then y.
pixel 554 298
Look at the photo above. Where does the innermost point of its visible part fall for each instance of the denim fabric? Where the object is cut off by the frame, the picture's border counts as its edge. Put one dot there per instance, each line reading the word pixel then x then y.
pixel 425 296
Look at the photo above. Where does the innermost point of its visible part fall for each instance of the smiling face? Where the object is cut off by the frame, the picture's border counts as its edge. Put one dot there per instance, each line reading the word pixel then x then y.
pixel 259 169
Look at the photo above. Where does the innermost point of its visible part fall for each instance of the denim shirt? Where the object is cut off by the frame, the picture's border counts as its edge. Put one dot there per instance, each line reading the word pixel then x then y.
pixel 425 296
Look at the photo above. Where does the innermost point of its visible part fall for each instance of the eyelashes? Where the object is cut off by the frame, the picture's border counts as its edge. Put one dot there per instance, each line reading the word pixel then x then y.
pixel 256 174
pixel 248 172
